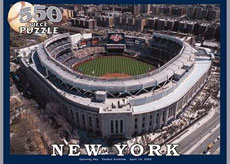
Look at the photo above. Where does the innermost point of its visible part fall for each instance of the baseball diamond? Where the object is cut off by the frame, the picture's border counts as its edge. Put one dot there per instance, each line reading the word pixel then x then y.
pixel 114 64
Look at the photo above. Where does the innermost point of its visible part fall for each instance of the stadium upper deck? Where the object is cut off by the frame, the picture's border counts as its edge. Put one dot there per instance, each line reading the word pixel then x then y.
pixel 56 55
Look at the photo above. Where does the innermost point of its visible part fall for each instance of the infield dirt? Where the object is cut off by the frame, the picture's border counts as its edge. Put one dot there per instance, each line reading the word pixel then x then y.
pixel 114 75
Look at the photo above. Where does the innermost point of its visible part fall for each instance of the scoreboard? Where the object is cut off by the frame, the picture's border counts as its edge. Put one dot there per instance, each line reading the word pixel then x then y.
pixel 116 43
pixel 116 38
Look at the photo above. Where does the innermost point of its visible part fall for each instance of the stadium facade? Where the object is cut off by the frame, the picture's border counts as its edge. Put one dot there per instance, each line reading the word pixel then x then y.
pixel 116 107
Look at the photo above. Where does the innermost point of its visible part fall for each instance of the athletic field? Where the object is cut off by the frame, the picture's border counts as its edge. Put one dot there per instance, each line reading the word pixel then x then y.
pixel 119 66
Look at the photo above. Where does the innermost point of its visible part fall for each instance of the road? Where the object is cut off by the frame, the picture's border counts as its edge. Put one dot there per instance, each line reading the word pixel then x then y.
pixel 187 143
pixel 203 146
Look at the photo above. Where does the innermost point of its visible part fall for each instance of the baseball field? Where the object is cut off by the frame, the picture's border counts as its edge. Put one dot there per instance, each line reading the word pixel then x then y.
pixel 114 66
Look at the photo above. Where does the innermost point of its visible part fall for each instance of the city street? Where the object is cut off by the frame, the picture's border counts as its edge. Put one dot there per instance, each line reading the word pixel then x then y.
pixel 203 146
pixel 190 142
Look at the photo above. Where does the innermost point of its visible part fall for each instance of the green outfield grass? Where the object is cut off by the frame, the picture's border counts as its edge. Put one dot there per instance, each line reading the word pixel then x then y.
pixel 114 64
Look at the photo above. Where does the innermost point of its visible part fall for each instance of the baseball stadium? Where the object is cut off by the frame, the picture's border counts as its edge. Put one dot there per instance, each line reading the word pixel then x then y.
pixel 116 85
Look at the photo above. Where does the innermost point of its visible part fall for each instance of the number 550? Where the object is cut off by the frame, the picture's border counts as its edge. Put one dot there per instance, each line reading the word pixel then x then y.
pixel 40 14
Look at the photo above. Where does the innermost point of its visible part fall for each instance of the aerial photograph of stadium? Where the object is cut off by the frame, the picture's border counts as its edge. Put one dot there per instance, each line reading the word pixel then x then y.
pixel 118 74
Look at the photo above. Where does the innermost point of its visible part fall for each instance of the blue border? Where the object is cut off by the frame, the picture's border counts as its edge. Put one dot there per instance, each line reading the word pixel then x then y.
pixel 188 159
